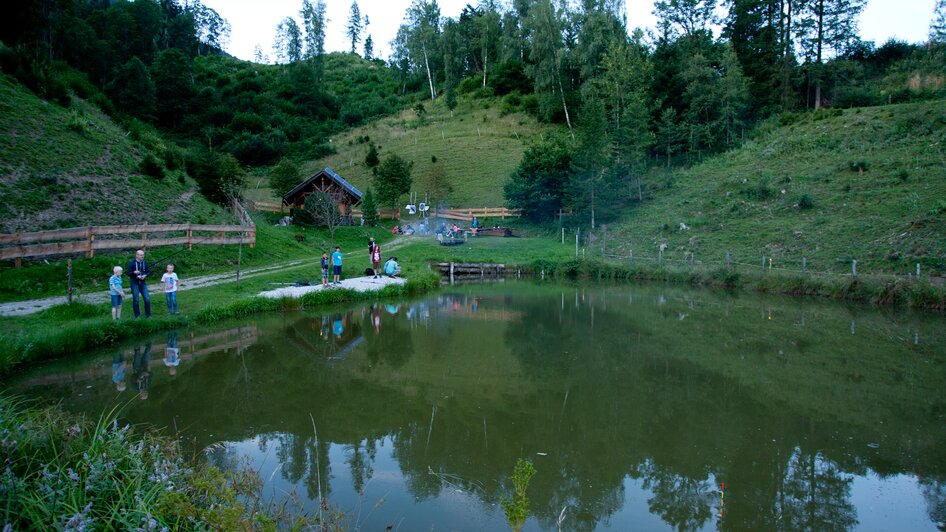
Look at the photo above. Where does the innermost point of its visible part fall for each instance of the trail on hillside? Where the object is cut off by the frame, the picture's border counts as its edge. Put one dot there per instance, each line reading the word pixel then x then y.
pixel 23 308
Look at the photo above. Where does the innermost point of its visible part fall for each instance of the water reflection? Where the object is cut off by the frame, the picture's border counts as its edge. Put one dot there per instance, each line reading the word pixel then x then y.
pixel 641 408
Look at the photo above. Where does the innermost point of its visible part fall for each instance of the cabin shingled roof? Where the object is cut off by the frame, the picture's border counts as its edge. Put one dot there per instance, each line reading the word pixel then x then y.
pixel 332 175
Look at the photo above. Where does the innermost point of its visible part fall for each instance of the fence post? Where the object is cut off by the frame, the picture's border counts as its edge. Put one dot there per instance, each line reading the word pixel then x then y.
pixel 17 262
pixel 190 237
pixel 854 268
pixel 763 263
pixel 918 271
pixel 576 242
pixel 804 264
pixel 451 273
pixel 563 236
pixel 691 262
pixel 69 281
pixel 631 255
pixel 91 237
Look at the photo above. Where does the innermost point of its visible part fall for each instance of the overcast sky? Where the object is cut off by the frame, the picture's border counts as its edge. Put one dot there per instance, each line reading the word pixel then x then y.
pixel 254 21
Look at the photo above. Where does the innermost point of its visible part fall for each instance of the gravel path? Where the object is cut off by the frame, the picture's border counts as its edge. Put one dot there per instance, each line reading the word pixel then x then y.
pixel 360 284
pixel 23 308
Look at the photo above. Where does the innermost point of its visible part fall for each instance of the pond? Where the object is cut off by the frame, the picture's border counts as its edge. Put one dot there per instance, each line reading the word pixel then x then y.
pixel 641 407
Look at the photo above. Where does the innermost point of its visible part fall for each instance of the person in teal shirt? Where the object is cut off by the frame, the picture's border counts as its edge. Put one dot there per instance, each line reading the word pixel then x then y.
pixel 337 263
pixel 391 267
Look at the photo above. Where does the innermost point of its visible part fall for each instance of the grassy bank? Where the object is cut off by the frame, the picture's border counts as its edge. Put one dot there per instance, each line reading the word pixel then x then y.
pixel 890 292
pixel 70 473
pixel 68 329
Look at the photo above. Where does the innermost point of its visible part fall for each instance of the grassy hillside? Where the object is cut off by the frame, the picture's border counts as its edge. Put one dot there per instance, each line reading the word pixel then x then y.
pixel 63 167
pixel 475 145
pixel 866 184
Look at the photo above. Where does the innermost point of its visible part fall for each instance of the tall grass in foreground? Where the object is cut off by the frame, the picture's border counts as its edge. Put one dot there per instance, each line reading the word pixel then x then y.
pixel 67 473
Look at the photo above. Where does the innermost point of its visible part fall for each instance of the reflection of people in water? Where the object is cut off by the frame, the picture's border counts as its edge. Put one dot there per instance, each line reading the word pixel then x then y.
pixel 118 371
pixel 392 309
pixel 338 326
pixel 476 305
pixel 172 355
pixel 324 331
pixel 141 370
pixel 376 319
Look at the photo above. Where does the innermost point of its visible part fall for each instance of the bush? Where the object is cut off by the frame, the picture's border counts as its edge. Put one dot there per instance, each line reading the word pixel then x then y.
pixel 150 166
pixel 805 202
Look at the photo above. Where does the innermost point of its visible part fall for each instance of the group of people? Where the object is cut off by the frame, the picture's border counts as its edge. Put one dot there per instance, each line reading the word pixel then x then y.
pixel 138 269
pixel 391 268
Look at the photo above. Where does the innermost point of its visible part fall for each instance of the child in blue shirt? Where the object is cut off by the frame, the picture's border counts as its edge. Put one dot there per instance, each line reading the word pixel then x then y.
pixel 337 263
pixel 116 292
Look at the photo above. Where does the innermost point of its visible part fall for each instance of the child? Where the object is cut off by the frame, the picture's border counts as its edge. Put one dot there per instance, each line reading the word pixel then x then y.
pixel 337 263
pixel 115 290
pixel 169 281
pixel 324 270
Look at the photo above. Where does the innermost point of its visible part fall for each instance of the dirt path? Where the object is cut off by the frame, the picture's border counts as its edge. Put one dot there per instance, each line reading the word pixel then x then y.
pixel 23 308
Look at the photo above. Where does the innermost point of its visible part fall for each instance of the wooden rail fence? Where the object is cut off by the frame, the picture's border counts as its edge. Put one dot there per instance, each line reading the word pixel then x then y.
pixel 88 240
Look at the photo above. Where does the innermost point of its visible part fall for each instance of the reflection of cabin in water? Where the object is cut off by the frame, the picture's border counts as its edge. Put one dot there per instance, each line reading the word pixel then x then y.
pixel 329 182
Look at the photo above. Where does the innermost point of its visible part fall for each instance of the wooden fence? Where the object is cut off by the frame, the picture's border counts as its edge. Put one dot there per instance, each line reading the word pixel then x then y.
pixel 88 240
pixel 466 214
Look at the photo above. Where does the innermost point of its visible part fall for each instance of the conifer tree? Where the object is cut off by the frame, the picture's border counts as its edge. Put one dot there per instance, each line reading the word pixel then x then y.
pixel 369 209
pixel 354 27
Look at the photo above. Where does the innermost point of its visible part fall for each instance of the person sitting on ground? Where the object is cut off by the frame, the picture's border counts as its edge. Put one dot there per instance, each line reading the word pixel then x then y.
pixel 395 230
pixel 391 267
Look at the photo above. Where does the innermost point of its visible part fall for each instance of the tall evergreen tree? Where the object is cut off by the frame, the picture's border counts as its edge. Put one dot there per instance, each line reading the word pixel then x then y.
pixel 825 26
pixel 369 209
pixel 752 27
pixel 354 27
pixel 938 24
pixel 287 46
pixel 685 16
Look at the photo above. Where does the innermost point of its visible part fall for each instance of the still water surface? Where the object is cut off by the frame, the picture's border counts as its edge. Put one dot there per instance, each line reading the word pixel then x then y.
pixel 642 408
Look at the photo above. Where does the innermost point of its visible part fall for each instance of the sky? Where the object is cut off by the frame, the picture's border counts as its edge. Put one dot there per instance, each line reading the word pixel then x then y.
pixel 254 22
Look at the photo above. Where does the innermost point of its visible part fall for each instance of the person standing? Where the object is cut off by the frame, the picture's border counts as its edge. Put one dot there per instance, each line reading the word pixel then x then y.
pixel 139 270
pixel 374 252
pixel 116 292
pixel 169 282
pixel 324 270
pixel 337 264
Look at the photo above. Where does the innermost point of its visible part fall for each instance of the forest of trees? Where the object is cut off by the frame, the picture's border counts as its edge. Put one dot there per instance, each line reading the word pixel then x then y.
pixel 627 99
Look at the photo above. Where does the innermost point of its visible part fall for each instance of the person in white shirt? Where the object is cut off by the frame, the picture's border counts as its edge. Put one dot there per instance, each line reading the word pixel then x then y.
pixel 169 282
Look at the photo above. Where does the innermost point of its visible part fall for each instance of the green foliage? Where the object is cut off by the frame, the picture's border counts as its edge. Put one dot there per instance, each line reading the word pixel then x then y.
pixel 76 473
pixel 393 179
pixel 219 176
pixel 517 508
pixel 538 185
pixel 150 166
pixel 371 157
pixel 284 177
pixel 369 209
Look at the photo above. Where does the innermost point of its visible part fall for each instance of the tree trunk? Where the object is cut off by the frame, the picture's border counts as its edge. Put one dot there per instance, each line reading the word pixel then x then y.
pixel 820 41
pixel 640 190
pixel 568 119
pixel 430 80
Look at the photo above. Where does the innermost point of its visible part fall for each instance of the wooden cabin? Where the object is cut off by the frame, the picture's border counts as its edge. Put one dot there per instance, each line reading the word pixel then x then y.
pixel 324 181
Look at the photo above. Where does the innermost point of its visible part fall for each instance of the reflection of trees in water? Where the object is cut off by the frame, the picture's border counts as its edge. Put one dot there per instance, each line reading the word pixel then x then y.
pixel 360 457
pixel 684 503
pixel 934 491
pixel 302 461
pixel 814 495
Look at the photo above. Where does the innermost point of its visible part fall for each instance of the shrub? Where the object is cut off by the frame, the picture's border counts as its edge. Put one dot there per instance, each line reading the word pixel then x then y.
pixel 150 166
pixel 805 202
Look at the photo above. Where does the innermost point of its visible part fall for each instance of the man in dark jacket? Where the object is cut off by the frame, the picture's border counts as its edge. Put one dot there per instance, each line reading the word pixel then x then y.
pixel 139 269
